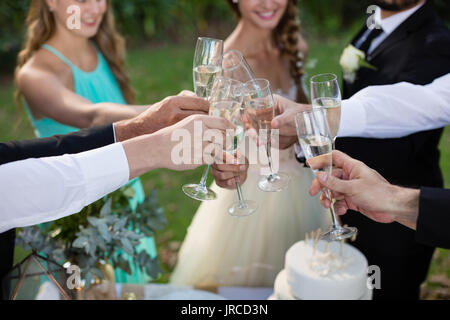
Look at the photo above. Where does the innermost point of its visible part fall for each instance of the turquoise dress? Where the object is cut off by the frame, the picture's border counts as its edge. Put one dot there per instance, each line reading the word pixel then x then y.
pixel 99 86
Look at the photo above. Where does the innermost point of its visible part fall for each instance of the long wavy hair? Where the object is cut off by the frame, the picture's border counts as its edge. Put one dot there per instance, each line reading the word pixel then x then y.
pixel 41 26
pixel 286 36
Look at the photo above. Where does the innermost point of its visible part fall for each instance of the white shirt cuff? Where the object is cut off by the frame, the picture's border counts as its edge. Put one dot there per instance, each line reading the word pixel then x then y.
pixel 353 118
pixel 104 170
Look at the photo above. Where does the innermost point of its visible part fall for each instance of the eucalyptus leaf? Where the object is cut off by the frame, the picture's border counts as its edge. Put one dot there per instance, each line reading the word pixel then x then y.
pixel 106 209
pixel 127 247
pixel 153 269
pixel 103 229
pixel 80 242
pixel 93 221
pixel 120 224
pixel 124 265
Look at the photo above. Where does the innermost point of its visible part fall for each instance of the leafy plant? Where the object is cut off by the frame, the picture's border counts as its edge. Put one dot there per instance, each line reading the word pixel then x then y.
pixel 98 232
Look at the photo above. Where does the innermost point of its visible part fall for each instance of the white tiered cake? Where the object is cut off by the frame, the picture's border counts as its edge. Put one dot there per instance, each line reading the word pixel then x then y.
pixel 318 270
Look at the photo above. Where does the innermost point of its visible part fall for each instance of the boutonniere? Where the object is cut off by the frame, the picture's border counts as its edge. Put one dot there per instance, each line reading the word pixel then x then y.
pixel 351 60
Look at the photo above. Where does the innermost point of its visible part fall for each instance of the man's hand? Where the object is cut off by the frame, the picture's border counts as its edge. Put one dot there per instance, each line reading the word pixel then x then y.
pixel 161 115
pixel 357 187
pixel 285 111
pixel 227 174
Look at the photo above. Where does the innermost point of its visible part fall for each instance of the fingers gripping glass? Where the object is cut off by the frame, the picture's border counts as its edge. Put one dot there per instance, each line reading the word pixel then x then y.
pixel 206 67
pixel 316 141
pixel 226 102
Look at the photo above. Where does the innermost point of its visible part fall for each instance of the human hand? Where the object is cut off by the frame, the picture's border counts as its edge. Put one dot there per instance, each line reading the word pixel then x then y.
pixel 187 93
pixel 161 115
pixel 227 174
pixel 357 187
pixel 284 120
pixel 173 147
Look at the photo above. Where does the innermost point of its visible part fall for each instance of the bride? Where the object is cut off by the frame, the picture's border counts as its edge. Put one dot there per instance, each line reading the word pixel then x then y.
pixel 221 250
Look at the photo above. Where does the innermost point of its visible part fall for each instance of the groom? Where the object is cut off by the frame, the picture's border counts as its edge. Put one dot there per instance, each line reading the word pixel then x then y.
pixel 412 45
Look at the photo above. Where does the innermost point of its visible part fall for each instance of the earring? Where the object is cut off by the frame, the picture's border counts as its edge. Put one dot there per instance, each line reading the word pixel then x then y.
pixel 235 1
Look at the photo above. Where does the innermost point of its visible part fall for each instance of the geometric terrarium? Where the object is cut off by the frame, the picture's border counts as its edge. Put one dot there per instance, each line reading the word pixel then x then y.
pixel 36 277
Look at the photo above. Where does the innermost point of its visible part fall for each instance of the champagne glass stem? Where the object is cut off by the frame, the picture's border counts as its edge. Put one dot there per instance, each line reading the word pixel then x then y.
pixel 333 213
pixel 242 203
pixel 204 177
pixel 269 158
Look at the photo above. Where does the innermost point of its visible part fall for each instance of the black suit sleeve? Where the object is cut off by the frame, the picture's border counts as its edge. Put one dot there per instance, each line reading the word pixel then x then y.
pixel 80 141
pixel 433 223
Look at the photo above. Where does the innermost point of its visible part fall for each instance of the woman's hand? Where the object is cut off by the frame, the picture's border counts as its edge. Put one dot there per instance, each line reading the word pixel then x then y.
pixel 284 121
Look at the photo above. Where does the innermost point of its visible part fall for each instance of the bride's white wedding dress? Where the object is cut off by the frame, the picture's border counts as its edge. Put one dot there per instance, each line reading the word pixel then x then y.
pixel 222 250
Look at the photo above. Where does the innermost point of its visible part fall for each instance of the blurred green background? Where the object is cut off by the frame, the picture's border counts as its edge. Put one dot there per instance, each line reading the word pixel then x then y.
pixel 161 35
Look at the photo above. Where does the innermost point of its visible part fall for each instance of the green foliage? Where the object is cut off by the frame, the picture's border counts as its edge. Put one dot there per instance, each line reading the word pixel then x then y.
pixel 98 232
pixel 176 20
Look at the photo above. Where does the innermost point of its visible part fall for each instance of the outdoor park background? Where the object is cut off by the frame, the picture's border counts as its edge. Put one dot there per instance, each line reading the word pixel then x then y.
pixel 161 36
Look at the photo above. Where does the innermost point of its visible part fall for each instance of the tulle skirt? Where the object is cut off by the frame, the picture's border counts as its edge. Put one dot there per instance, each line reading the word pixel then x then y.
pixel 222 250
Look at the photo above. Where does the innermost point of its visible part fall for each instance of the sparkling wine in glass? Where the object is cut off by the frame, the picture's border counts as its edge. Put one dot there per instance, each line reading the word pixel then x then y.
pixel 204 76
pixel 206 67
pixel 332 109
pixel 226 102
pixel 260 111
pixel 325 93
pixel 317 143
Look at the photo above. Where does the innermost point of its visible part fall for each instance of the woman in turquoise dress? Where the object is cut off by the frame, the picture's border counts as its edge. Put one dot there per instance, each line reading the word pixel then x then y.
pixel 72 76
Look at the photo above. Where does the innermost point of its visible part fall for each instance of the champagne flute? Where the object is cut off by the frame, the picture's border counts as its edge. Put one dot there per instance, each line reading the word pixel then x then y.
pixel 325 93
pixel 316 141
pixel 226 102
pixel 206 67
pixel 236 67
pixel 259 105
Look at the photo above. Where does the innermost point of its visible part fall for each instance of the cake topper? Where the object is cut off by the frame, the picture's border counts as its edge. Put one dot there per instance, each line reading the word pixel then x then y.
pixel 325 262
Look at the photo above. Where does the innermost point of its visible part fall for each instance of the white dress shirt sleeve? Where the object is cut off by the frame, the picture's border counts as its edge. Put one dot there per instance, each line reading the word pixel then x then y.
pixel 398 110
pixel 34 191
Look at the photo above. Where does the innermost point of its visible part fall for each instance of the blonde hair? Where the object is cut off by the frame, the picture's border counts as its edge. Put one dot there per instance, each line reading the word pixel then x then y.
pixel 286 36
pixel 41 26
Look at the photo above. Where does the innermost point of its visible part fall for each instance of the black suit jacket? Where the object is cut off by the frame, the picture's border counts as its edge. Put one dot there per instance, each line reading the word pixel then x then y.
pixel 83 140
pixel 418 51
pixel 76 142
pixel 433 223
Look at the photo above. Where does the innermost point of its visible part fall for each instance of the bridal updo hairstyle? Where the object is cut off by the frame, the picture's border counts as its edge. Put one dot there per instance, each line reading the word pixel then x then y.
pixel 286 36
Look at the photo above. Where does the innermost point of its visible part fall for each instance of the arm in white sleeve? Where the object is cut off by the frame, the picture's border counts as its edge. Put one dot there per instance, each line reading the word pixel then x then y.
pixel 39 190
pixel 398 110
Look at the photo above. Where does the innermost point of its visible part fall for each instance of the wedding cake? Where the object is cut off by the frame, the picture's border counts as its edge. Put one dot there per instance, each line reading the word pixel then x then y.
pixel 320 270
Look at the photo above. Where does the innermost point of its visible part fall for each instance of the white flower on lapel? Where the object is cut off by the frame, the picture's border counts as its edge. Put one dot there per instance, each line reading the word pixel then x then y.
pixel 351 60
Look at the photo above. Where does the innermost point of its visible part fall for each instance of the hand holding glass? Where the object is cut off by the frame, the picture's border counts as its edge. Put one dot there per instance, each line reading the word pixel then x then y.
pixel 316 141
pixel 206 67
pixel 226 102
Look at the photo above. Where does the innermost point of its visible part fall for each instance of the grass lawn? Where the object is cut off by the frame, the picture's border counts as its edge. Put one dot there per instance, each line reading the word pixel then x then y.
pixel 162 71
